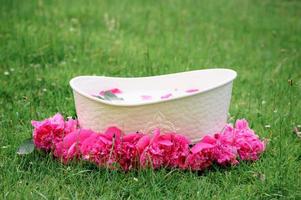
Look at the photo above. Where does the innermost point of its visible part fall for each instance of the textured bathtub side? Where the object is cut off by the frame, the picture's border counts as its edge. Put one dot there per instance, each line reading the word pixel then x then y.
pixel 193 116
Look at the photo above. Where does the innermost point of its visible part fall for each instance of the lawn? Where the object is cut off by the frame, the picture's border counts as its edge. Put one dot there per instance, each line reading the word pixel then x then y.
pixel 43 44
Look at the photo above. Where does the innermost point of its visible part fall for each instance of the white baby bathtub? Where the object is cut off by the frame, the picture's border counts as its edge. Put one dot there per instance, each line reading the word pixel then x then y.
pixel 191 114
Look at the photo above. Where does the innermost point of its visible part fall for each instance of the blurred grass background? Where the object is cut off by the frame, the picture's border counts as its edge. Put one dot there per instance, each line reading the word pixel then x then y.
pixel 43 44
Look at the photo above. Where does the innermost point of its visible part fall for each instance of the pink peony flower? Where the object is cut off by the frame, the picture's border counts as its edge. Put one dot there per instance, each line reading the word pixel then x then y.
pixel 142 143
pixel 241 124
pixel 128 153
pixel 225 152
pixel 248 144
pixel 102 149
pixel 136 150
pixel 202 154
pixel 48 132
pixel 70 125
pixel 96 149
pixel 179 151
pixel 87 145
pixel 218 148
pixel 69 148
pixel 154 153
pixel 113 132
pixel 163 150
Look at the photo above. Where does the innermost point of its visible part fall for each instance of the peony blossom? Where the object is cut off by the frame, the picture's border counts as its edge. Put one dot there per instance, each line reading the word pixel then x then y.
pixel 69 147
pixel 179 151
pixel 102 149
pixel 51 131
pixel 154 153
pixel 248 144
pixel 115 149
pixel 128 152
pixel 164 150
pixel 202 154
pixel 70 125
pixel 225 152
pixel 143 143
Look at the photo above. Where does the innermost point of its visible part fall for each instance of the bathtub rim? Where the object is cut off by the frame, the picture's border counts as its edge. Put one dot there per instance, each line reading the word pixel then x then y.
pixel 124 104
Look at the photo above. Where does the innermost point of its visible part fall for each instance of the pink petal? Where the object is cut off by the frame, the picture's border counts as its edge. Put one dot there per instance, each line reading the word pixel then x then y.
pixel 169 136
pixel 76 136
pixel 191 90
pixel 105 140
pixel 146 97
pixel 131 137
pixel 156 132
pixel 165 142
pixel 241 124
pixel 88 143
pixel 143 143
pixel 35 124
pixel 166 96
pixel 58 120
pixel 156 135
pixel 182 139
pixel 70 125
pixel 208 139
pixel 200 146
pixel 113 131
pixel 72 151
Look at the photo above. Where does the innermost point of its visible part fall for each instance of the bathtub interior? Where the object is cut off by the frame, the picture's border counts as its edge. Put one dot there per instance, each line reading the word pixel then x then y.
pixel 202 80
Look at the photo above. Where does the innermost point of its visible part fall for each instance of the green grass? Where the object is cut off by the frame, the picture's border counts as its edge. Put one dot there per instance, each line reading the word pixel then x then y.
pixel 43 44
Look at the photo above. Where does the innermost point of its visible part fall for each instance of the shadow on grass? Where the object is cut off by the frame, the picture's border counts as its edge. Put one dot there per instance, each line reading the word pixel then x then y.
pixel 42 159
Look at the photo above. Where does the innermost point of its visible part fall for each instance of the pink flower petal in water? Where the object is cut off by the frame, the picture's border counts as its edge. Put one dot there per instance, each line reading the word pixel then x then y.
pixel 146 97
pixel 191 90
pixel 166 96
pixel 113 90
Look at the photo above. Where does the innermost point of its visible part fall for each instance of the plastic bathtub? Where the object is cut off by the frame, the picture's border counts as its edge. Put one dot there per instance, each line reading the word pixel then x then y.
pixel 192 114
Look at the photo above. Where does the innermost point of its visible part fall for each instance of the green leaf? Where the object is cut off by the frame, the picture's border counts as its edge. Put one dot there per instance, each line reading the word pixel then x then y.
pixel 26 147
pixel 108 95
pixel 97 96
